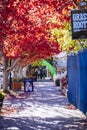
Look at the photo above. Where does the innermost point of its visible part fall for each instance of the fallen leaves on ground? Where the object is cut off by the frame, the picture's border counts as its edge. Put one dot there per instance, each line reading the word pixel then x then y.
pixel 70 106
pixel 7 111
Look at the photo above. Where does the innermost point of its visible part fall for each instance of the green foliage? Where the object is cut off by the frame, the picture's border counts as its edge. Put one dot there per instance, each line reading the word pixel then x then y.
pixel 17 80
pixel 38 63
pixel 64 38
pixel 2 95
pixel 83 43
pixel 50 67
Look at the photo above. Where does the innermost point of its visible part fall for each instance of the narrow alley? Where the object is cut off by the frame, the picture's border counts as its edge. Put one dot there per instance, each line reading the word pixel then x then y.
pixel 45 109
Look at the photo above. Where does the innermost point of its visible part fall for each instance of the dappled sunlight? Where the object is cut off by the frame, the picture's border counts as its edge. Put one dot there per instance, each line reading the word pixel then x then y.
pixel 45 109
pixel 27 123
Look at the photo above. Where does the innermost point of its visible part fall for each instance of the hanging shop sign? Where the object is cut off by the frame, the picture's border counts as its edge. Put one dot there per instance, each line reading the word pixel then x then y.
pixel 79 23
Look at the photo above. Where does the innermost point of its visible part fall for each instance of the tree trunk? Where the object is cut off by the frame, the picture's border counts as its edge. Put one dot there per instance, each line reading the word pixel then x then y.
pixel 5 80
pixel 5 73
pixel 7 68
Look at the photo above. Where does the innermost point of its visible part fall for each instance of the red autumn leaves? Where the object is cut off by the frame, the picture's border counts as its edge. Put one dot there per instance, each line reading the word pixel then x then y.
pixel 26 24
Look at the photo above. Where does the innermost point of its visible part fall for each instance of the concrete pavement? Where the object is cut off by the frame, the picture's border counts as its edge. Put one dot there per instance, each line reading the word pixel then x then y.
pixel 45 109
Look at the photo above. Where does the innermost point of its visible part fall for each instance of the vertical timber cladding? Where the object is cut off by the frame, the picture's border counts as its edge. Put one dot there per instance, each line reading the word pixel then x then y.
pixel 79 23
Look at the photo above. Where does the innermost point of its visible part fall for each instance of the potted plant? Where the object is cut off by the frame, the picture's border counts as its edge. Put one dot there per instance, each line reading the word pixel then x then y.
pixel 2 96
pixel 16 84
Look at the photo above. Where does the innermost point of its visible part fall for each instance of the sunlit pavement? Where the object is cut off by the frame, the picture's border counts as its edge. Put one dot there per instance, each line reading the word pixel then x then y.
pixel 45 109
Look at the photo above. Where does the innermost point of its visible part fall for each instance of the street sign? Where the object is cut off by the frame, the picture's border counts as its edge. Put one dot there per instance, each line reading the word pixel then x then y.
pixel 28 85
pixel 79 23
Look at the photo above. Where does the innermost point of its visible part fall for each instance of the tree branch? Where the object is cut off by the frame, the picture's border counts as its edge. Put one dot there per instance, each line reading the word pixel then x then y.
pixel 14 64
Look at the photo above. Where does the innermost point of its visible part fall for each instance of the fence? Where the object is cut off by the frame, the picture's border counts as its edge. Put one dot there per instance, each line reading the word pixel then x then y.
pixel 77 80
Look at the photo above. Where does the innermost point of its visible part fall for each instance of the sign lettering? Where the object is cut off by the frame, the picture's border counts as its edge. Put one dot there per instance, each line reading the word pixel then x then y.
pixel 79 23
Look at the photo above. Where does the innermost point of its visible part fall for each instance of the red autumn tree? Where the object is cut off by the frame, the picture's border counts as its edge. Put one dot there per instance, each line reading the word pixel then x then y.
pixel 25 30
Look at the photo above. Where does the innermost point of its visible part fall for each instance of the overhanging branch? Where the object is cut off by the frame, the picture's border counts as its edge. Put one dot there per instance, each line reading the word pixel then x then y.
pixel 9 69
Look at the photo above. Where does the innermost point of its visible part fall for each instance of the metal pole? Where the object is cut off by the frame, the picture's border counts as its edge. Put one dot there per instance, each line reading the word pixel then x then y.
pixel 10 79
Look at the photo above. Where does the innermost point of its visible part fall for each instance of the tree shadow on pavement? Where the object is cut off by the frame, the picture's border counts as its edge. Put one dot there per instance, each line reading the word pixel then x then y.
pixel 26 123
pixel 45 109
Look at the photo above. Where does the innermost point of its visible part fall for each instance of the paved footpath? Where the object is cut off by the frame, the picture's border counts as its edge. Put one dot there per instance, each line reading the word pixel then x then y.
pixel 45 109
